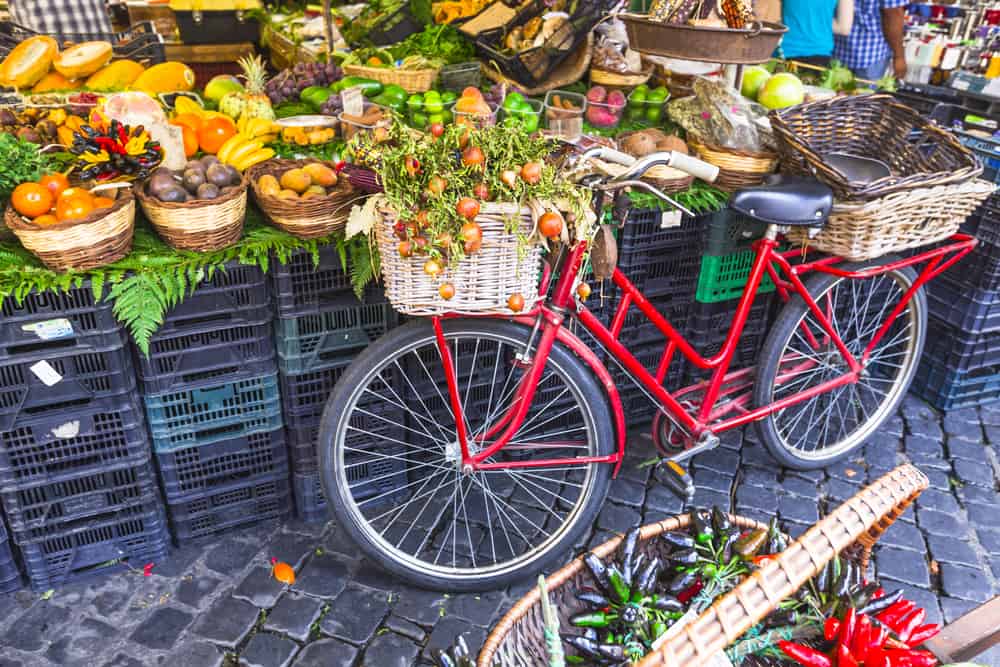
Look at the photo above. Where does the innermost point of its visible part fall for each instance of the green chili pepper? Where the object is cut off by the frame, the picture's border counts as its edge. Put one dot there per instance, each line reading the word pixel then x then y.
pixel 592 619
pixel 619 590
pixel 657 629
pixel 701 522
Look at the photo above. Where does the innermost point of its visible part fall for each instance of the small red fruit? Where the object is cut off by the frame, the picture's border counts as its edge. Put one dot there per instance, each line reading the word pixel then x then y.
pixel 432 268
pixel 447 291
pixel 423 218
pixel 516 303
pixel 531 172
pixel 472 232
pixel 467 207
pixel 399 229
pixel 509 178
pixel 412 165
pixel 405 249
pixel 443 241
pixel 583 291
pixel 482 191
pixel 436 185
pixel 437 129
pixel 473 157
pixel 550 225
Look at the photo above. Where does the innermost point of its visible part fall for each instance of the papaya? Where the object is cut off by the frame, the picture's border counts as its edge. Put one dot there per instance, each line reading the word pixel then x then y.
pixel 81 60
pixel 119 75
pixel 29 61
pixel 54 81
pixel 166 77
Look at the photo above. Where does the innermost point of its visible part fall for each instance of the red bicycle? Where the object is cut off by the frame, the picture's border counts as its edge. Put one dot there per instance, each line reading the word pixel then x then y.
pixel 462 453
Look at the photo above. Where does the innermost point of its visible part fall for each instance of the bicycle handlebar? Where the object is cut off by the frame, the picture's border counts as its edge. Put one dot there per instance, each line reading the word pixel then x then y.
pixel 637 167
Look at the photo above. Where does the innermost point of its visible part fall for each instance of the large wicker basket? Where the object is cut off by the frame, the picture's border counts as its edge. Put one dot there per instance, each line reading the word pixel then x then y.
pixel 737 169
pixel 410 80
pixel 310 218
pixel 919 153
pixel 518 639
pixel 860 231
pixel 483 281
pixel 99 239
pixel 200 225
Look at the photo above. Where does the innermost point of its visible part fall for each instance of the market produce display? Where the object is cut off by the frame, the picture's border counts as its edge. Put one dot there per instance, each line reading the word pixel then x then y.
pixel 203 179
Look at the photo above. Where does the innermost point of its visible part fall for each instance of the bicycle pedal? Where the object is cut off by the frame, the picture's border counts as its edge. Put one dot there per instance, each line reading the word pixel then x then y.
pixel 675 478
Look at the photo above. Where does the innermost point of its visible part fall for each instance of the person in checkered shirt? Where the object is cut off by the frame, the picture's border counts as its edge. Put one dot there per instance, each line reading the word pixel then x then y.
pixel 62 18
pixel 875 44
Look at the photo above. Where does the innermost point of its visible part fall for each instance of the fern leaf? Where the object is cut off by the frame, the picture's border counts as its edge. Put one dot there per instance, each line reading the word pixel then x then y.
pixel 97 285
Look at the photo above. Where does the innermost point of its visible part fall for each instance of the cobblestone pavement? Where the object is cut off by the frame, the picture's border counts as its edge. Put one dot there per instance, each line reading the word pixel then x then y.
pixel 214 603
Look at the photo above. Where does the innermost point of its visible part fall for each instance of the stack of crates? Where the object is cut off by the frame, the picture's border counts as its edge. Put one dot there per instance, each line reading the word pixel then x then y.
pixel 320 327
pixel 78 487
pixel 210 385
pixel 960 366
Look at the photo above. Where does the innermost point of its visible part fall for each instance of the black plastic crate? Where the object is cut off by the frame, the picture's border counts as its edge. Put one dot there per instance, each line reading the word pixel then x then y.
pixel 663 273
pixel 304 395
pixel 984 223
pixel 217 26
pixel 238 505
pixel 379 420
pixel 313 342
pixel 99 492
pixel 62 553
pixel 971 310
pixel 979 270
pixel 235 294
pixel 644 231
pixel 959 350
pixel 946 388
pixel 57 447
pixel 10 574
pixel 196 471
pixel 207 356
pixel 301 287
pixel 44 381
pixel 310 501
pixel 726 231
pixel 395 28
pixel 141 42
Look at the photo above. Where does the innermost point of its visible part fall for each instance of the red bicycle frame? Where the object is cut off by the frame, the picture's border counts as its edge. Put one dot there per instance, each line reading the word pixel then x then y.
pixel 548 318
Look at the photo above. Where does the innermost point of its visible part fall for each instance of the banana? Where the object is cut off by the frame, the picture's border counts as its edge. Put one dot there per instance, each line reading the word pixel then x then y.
pixel 227 148
pixel 254 158
pixel 242 151
pixel 267 138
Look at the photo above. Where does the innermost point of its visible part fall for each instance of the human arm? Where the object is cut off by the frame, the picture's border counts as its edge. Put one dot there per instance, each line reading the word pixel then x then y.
pixel 843 19
pixel 893 27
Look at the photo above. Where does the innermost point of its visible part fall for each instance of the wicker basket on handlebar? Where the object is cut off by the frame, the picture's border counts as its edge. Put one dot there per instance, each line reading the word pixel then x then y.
pixel 483 281
pixel 518 638
pixel 737 169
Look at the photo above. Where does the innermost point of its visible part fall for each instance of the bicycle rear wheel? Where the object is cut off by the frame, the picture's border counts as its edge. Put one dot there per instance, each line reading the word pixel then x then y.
pixel 392 468
pixel 798 355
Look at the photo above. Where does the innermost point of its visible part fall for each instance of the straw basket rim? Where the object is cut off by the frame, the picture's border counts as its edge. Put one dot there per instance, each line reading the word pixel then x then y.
pixel 313 217
pixel 234 191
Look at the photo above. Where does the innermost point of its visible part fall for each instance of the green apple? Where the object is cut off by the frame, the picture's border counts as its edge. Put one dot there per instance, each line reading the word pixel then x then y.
pixel 753 78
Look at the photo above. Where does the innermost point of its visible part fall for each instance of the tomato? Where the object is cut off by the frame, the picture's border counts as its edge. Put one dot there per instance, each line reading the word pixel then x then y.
pixel 531 172
pixel 444 241
pixel 509 178
pixel 473 157
pixel 437 129
pixel 583 291
pixel 399 229
pixel 482 191
pixel 31 199
pixel 472 247
pixel 423 218
pixel 467 207
pixel 447 291
pixel 432 268
pixel 436 185
pixel 516 303
pixel 215 132
pixel 74 207
pixel 420 244
pixel 56 183
pixel 550 225
pixel 405 249
pixel 472 233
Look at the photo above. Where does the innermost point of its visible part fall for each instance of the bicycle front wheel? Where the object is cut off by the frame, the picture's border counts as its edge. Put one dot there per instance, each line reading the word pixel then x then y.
pixel 798 355
pixel 392 465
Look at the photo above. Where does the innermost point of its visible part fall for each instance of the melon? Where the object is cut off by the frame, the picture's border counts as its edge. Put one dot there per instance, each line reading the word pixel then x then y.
pixel 119 75
pixel 81 60
pixel 29 61
pixel 166 77
pixel 54 81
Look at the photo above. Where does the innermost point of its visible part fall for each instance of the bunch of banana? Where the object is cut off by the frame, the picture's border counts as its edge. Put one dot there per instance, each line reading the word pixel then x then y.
pixel 247 147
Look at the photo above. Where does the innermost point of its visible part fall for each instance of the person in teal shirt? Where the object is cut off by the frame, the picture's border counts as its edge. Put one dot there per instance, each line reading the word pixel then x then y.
pixel 811 27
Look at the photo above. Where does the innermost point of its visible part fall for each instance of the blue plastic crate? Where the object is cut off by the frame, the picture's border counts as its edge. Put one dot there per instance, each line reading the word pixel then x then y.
pixel 971 310
pixel 10 574
pixel 211 414
pixel 239 504
pixel 314 342
pixel 946 388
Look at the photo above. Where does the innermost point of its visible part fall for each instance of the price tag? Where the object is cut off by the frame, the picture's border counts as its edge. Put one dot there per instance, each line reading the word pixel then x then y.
pixel 670 219
pixel 50 329
pixel 354 101
pixel 67 431
pixel 43 371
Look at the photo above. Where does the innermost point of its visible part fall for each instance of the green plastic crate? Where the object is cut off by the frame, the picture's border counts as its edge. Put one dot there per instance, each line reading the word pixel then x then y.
pixel 724 277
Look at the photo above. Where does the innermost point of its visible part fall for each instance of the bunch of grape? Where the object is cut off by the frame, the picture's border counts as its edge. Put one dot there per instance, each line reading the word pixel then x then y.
pixel 288 83
pixel 333 105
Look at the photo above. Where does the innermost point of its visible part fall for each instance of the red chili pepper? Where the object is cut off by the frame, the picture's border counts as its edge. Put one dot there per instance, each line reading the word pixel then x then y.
pixel 910 623
pixel 895 612
pixel 907 658
pixel 862 638
pixel 847 627
pixel 339 167
pixel 878 659
pixel 879 593
pixel 830 629
pixel 923 633
pixel 804 655
pixel 760 560
pixel 879 635
pixel 844 657
pixel 690 591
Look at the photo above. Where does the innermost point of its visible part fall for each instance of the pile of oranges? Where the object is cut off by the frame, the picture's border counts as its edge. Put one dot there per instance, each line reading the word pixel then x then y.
pixel 208 134
pixel 52 200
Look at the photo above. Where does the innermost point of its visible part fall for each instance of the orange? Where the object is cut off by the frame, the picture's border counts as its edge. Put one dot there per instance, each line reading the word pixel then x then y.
pixel 103 202
pixel 74 192
pixel 214 133
pixel 55 183
pixel 190 141
pixel 74 207
pixel 188 120
pixel 45 220
pixel 31 199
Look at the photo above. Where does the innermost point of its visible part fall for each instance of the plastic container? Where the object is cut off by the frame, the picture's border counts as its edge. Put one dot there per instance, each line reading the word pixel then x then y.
pixel 310 502
pixel 372 479
pixel 196 417
pixel 959 350
pixel 304 395
pixel 460 76
pixel 604 115
pixel 477 120
pixel 530 120
pixel 946 388
pixel 725 277
pixel 217 26
pixel 639 109
pixel 419 113
pixel 314 342
pixel 195 471
pixel 560 120
pixel 238 505
pixel 667 272
pixel 374 116
pixel 979 270
pixel 301 286
pixel 984 223
pixel 382 420
pixel 644 230
pixel 233 294
pixel 709 325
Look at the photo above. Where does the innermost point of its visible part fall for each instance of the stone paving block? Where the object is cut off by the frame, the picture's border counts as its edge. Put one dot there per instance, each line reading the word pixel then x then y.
pixel 355 614
pixel 230 556
pixel 123 660
pixel 627 492
pixel 970 493
pixel 83 644
pixel 195 653
pixel 195 591
pixel 323 576
pixel 990 540
pixel 928 428
pixel 708 498
pixel 840 490
pixel 180 561
pixel 420 606
pixel 36 626
pixel 732 439
pixel 227 621
pixel 408 629
pixel 962 431
pixel 661 498
pixel 162 629
pixel 111 598
pixel 849 471
pixel 815 476
pixel 761 477
pixel 953 609
pixel 390 650
pixel 367 573
pixel 983 516
pixel 902 565
pixel 882 455
pixel 754 513
pixel 757 497
pixel 327 653
pixel 952 550
pixel 476 608
pixel 798 509
pixel 965 583
pixel 941 501
pixel 267 650
pixel 720 460
pixel 617 517
pixel 259 588
pixel 938 523
pixel 714 480
pixel 905 535
pixel 447 632
pixel 294 615
pixel 797 486
pixel 977 451
pixel 291 548
pixel 938 479
pixel 971 472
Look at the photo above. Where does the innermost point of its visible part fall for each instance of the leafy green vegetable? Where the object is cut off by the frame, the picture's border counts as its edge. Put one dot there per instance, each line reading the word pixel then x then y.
pixel 442 42
pixel 699 198
pixel 20 162
pixel 837 77
pixel 330 151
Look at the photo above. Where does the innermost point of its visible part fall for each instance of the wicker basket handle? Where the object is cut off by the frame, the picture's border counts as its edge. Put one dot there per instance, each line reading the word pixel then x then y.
pixel 861 519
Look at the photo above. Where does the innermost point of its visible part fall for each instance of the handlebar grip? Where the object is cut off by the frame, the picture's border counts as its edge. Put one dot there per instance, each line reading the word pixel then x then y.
pixel 611 155
pixel 692 165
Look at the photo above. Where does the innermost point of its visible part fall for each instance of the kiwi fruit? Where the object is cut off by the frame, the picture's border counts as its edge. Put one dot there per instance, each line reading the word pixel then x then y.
pixel 160 180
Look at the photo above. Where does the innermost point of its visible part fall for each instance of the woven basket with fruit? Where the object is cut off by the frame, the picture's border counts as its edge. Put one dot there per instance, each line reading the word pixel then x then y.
pixel 305 198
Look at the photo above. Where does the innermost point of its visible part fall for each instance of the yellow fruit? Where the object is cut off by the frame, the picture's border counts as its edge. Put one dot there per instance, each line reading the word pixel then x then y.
pixel 185 104
pixel 231 144
pixel 83 59
pixel 256 157
pixel 29 61
pixel 239 153
pixel 165 78
pixel 119 75
pixel 65 134
pixel 54 81
pixel 288 194
pixel 268 185
pixel 296 179
pixel 314 191
pixel 321 174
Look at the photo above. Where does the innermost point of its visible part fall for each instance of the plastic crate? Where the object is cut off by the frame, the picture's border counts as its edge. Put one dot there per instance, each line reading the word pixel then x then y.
pixel 238 505
pixel 10 575
pixel 644 230
pixel 314 342
pixel 980 269
pixel 140 42
pixel 379 419
pixel 959 350
pixel 971 310
pixel 394 28
pixel 725 232
pixel 310 501
pixel 984 223
pixel 207 355
pixel 663 273
pixel 99 492
pixel 301 287
pixel 304 395
pixel 59 554
pixel 197 471
pixel 946 388
pixel 723 278
pixel 57 447
pixel 234 294
pixel 205 415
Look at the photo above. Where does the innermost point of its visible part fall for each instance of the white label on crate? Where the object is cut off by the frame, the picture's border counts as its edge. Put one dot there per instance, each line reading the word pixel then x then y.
pixel 670 219
pixel 67 430
pixel 50 329
pixel 43 371
pixel 354 101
